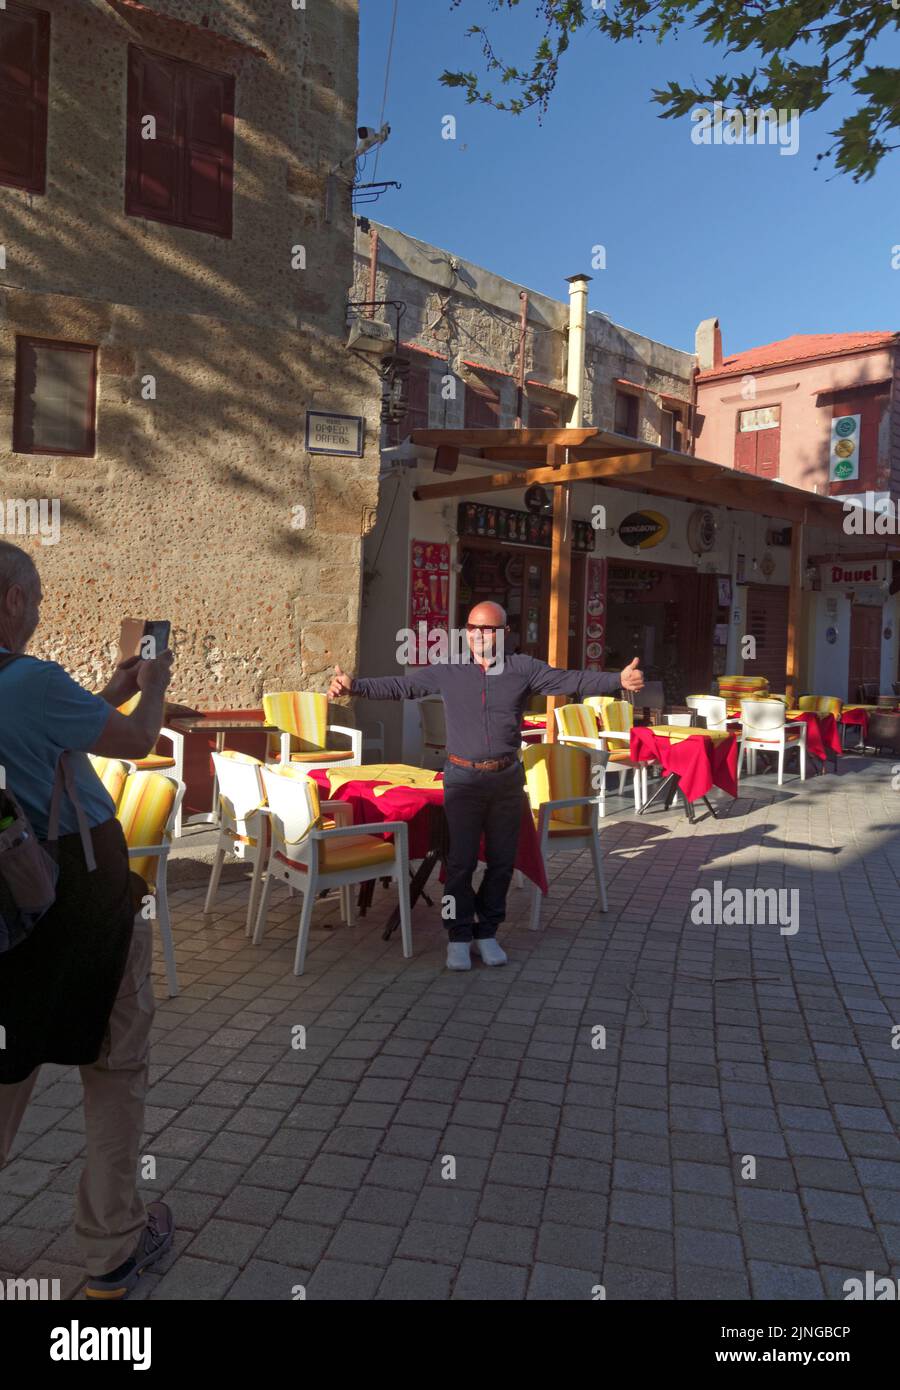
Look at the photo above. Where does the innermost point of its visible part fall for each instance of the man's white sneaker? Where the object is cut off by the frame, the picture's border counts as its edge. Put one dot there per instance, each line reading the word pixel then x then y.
pixel 490 950
pixel 459 956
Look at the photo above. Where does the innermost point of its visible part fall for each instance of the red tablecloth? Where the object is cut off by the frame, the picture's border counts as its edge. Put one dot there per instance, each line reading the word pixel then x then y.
pixel 411 804
pixel 821 733
pixel 701 763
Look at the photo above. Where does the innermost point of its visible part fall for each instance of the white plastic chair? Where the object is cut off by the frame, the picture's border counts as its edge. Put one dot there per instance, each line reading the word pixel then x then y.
pixel 549 767
pixel 765 729
pixel 148 810
pixel 242 829
pixel 312 859
pixel 711 708
pixel 433 725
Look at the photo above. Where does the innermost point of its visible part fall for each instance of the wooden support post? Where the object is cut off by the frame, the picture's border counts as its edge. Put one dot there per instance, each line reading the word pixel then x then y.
pixel 795 606
pixel 560 582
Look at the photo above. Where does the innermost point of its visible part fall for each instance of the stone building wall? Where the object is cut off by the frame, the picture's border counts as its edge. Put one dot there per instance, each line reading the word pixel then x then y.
pixel 201 505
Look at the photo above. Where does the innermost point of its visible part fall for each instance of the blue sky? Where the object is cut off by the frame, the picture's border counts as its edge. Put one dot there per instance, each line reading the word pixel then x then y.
pixel 756 237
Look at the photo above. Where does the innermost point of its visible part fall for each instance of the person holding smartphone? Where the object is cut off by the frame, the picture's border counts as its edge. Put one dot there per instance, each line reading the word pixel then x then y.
pixel 78 990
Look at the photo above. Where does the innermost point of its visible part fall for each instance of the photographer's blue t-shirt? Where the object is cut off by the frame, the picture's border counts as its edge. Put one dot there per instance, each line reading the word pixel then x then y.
pixel 43 713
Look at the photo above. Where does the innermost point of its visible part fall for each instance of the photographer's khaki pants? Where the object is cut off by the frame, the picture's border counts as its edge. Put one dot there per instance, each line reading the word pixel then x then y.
pixel 109 1213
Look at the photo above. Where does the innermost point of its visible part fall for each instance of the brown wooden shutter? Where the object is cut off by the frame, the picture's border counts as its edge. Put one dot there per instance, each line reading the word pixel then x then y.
pixel 745 449
pixel 768 450
pixel 482 406
pixel 208 150
pixel 24 68
pixel 767 607
pixel 184 176
pixel 153 166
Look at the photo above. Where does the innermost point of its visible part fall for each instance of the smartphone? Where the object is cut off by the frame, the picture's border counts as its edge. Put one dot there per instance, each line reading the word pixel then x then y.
pixel 133 635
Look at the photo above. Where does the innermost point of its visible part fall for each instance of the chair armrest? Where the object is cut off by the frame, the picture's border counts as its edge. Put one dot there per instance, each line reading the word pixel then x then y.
pixel 613 733
pixel 581 739
pixel 177 741
pixel 354 735
pixel 568 802
pixel 395 827
pixel 147 851
pixel 341 810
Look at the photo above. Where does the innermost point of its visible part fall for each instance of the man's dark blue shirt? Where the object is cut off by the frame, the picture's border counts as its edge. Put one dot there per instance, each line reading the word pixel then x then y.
pixel 484 709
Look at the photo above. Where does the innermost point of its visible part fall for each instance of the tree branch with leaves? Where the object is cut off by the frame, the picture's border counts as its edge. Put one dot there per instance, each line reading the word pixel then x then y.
pixel 804 52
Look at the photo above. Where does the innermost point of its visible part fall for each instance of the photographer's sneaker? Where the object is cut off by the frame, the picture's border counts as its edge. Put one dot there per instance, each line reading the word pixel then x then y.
pixel 154 1242
pixel 459 955
pixel 491 952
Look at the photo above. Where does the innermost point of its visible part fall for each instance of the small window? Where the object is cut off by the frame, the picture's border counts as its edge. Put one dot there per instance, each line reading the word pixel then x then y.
pixel 24 66
pixel 673 430
pixel 481 406
pixel 416 417
pixel 542 417
pixel 56 386
pixel 767 417
pixel 180 143
pixel 626 414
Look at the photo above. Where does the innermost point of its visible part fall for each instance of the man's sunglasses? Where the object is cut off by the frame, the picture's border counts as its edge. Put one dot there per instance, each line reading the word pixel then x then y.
pixel 484 627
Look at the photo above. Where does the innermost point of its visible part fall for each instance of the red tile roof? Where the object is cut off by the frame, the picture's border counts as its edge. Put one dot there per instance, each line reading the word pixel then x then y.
pixel 801 347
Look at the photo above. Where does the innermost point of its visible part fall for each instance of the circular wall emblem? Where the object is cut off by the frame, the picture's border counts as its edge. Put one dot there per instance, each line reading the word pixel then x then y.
pixel 643 530
pixel 846 425
pixel 831 635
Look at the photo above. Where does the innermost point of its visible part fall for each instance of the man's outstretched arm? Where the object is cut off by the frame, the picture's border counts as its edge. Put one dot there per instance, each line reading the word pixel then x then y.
pixel 550 680
pixel 424 682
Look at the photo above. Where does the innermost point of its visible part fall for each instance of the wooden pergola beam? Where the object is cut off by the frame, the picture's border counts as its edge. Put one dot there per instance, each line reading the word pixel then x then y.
pixel 560 585
pixel 585 470
pixel 475 441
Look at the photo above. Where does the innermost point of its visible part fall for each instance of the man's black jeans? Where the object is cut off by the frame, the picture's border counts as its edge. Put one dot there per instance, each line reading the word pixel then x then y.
pixel 477 803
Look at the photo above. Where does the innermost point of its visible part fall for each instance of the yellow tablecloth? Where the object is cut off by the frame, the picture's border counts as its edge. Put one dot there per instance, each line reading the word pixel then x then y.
pixel 674 731
pixel 391 774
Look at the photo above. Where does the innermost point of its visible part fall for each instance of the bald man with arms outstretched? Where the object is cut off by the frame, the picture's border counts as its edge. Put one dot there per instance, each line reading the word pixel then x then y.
pixel 484 779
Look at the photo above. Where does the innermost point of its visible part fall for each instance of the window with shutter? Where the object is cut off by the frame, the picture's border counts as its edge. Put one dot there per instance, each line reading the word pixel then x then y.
pixel 626 416
pixel 24 67
pixel 482 406
pixel 757 444
pixel 55 397
pixel 180 143
pixel 542 417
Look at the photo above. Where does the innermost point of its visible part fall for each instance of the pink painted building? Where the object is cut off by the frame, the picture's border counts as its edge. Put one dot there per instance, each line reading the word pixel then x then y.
pixel 818 411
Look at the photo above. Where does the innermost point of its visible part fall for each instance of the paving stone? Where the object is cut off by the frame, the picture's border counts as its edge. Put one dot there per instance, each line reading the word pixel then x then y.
pixel 784 1281
pixel 561 1283
pixel 412 1281
pixel 485 1280
pixel 340 1281
pixel 266 1281
pixel 364 1241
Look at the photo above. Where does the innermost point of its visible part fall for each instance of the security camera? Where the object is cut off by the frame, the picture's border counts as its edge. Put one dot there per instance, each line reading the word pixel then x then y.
pixel 364 132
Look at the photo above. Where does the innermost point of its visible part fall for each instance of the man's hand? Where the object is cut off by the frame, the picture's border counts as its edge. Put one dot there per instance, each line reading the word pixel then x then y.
pixel 631 678
pixel 123 682
pixel 341 684
pixel 155 675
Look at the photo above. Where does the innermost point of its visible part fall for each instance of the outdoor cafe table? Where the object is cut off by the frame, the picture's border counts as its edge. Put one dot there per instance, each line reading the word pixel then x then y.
pixel 395 791
pixel 220 724
pixel 822 737
pixel 693 762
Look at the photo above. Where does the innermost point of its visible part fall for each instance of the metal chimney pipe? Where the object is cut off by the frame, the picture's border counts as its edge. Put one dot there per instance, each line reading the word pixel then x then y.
pixel 578 298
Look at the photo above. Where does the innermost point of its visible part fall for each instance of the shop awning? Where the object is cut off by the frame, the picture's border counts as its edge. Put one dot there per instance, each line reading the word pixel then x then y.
pixel 133 10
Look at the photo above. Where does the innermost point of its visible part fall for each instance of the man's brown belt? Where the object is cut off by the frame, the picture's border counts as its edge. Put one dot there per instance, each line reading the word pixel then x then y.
pixel 489 765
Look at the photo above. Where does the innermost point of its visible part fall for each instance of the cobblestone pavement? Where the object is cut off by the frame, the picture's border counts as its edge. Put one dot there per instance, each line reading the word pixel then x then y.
pixel 628 1165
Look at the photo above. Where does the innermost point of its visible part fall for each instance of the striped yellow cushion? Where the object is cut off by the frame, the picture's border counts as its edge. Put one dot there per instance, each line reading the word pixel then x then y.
pixel 154 762
pixel 304 714
pixel 333 755
pixel 743 685
pixel 556 772
pixel 143 810
pixel 820 704
pixel 578 720
pixel 112 773
pixel 347 852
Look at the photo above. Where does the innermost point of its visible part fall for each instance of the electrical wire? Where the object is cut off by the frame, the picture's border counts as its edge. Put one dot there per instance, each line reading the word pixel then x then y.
pixel 387 78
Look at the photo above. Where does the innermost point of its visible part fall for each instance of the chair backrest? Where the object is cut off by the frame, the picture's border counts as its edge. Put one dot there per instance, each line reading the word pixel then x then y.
pixel 146 812
pixel 555 772
pixel 112 773
pixel 711 708
pixel 241 791
pixel 432 721
pixel 294 803
pixel 577 720
pixel 762 716
pixel 820 704
pixel 303 714
pixel 736 688
pixel 617 715
pixel 598 704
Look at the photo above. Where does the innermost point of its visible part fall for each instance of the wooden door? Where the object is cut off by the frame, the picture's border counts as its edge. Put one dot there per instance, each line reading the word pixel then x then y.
pixel 767 607
pixel 865 648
